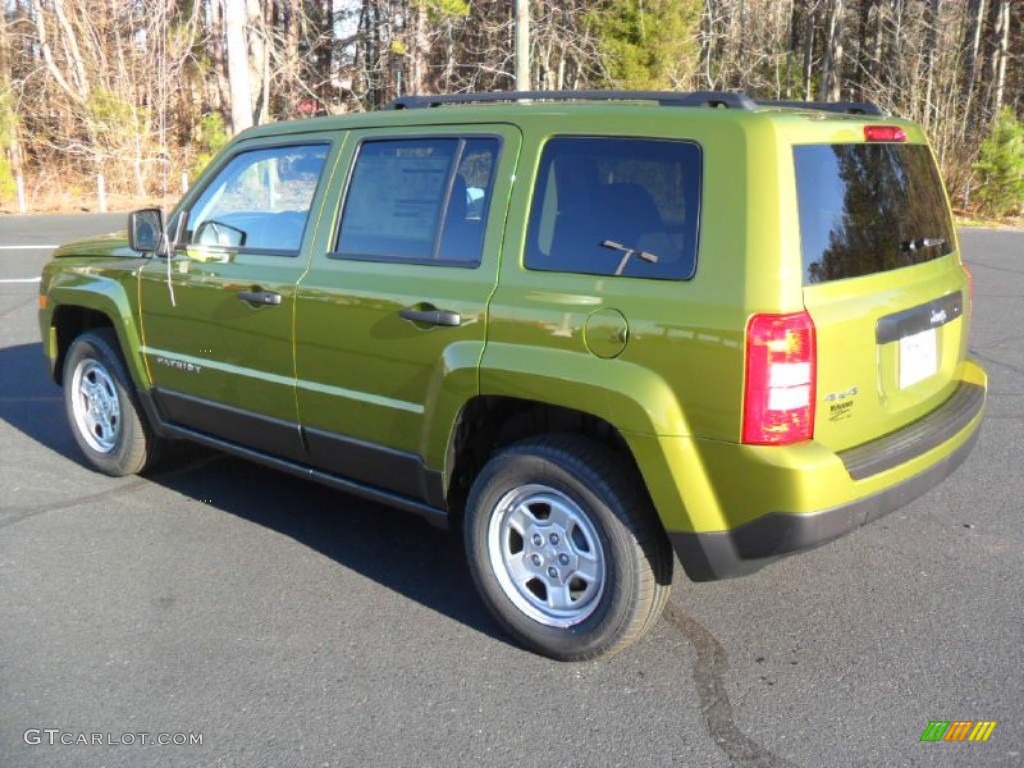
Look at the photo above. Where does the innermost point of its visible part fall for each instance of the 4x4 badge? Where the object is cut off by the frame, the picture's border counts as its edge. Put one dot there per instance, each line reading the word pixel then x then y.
pixel 840 404
pixel 832 397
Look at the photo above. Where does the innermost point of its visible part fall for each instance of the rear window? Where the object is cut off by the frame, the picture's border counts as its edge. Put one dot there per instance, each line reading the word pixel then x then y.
pixel 616 206
pixel 419 200
pixel 868 208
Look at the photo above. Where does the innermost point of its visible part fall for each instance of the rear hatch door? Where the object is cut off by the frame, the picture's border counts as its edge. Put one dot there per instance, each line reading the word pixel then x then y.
pixel 883 283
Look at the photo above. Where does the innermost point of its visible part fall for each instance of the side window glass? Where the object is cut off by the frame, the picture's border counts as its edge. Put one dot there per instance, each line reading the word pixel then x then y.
pixel 259 202
pixel 610 206
pixel 463 236
pixel 419 200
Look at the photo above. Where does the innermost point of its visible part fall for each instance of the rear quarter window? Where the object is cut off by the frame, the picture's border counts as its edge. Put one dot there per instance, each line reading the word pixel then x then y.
pixel 616 206
pixel 869 208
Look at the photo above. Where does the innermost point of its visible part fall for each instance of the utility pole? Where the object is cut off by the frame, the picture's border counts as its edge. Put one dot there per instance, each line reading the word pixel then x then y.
pixel 522 45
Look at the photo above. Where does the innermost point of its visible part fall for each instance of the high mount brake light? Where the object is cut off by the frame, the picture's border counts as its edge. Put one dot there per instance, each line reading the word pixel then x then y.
pixel 884 133
pixel 778 400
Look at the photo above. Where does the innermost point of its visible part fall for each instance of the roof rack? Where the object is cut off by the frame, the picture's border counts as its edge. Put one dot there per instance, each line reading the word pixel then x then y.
pixel 664 98
pixel 720 99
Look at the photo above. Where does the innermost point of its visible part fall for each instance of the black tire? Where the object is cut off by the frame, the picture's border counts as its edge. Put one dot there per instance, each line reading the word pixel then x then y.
pixel 540 518
pixel 102 409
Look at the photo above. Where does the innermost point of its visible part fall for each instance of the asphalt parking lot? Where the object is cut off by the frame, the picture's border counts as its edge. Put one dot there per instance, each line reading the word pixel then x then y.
pixel 288 625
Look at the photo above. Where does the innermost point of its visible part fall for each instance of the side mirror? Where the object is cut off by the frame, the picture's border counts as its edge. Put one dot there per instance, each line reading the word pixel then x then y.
pixel 145 230
pixel 220 234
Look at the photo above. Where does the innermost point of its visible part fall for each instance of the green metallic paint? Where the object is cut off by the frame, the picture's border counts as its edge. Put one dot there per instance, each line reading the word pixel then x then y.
pixel 454 383
pixel 239 354
pixel 622 393
pixel 702 485
pixel 360 396
pixel 104 285
pixel 684 335
pixel 50 348
pixel 114 244
pixel 356 357
pixel 205 342
pixel 606 333
pixel 336 356
pixel 845 313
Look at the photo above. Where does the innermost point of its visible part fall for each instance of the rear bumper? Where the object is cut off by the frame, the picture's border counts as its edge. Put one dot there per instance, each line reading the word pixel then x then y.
pixel 758 542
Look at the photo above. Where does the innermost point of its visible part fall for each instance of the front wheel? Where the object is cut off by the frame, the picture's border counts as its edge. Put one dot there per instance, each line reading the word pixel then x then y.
pixel 105 418
pixel 565 548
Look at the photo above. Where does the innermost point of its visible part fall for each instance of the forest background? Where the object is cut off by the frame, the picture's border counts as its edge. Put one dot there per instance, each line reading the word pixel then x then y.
pixel 143 92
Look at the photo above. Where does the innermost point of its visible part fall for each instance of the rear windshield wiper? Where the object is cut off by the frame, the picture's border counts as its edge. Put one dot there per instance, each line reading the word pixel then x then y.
pixel 628 253
pixel 922 242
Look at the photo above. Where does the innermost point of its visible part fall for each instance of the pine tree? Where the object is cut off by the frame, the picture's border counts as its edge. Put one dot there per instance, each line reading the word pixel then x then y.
pixel 1001 166
pixel 647 44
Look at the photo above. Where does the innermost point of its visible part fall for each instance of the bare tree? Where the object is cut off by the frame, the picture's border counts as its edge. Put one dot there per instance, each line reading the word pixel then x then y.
pixel 235 20
pixel 137 89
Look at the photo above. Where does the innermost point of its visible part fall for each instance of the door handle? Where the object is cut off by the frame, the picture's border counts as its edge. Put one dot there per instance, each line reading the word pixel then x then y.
pixel 260 297
pixel 431 316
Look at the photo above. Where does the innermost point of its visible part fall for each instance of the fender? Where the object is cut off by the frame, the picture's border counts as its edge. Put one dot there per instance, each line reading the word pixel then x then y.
pixel 630 396
pixel 638 402
pixel 453 383
pixel 106 287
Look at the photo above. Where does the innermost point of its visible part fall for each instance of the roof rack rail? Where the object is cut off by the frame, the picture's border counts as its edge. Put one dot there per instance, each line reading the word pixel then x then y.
pixel 727 99
pixel 843 107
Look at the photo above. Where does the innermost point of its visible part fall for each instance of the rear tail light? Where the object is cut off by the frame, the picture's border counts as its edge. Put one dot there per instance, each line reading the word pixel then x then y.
pixel 884 133
pixel 778 402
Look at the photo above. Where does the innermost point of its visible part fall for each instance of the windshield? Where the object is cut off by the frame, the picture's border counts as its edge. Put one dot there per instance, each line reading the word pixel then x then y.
pixel 867 208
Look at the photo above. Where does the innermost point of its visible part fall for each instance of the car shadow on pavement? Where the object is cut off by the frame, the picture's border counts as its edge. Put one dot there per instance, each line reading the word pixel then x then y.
pixel 30 401
pixel 393 548
pixel 396 549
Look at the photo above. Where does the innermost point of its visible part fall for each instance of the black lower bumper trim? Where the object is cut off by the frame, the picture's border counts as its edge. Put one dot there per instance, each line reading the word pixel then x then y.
pixel 748 548
pixel 917 438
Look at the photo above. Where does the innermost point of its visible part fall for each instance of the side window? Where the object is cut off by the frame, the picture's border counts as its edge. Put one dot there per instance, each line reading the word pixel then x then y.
pixel 611 206
pixel 259 202
pixel 419 200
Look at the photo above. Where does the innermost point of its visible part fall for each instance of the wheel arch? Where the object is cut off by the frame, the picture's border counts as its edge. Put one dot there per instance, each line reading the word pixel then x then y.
pixel 68 323
pixel 488 423
pixel 81 307
pixel 620 404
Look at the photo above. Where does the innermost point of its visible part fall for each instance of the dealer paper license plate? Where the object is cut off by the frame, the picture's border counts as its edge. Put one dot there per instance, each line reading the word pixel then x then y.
pixel 919 357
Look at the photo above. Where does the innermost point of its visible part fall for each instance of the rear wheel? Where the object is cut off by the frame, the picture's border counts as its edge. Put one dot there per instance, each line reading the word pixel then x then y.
pixel 105 418
pixel 565 548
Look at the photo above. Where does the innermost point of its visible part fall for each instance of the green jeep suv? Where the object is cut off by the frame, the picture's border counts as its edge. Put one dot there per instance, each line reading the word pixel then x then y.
pixel 590 330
